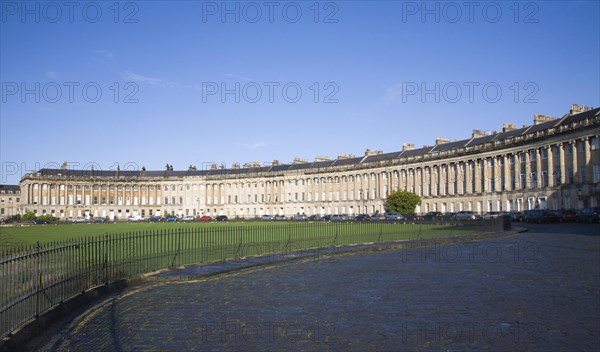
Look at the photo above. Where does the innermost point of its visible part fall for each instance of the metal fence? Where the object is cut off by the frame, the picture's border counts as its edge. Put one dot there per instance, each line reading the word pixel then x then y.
pixel 36 279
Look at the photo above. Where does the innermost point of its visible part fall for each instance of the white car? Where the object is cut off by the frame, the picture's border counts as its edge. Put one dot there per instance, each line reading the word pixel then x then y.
pixel 136 218
pixel 188 218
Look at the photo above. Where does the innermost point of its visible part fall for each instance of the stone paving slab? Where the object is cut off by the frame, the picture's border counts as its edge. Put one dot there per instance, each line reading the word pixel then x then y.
pixel 539 291
pixel 197 271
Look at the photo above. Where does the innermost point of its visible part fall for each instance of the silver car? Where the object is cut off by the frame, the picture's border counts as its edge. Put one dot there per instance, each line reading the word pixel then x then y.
pixel 465 215
pixel 392 216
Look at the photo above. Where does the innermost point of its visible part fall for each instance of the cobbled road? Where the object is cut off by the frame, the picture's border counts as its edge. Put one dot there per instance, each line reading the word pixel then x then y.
pixel 535 291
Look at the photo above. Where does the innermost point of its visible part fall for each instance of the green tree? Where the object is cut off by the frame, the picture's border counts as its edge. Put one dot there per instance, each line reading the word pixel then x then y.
pixel 402 202
pixel 47 217
pixel 28 216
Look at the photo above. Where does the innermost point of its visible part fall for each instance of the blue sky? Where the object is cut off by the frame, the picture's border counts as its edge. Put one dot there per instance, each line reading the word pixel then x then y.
pixel 360 68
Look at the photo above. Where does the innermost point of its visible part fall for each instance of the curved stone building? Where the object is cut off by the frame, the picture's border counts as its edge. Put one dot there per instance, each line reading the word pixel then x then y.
pixel 553 163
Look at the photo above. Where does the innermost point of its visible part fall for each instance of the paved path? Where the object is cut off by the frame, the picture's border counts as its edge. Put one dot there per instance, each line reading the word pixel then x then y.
pixel 538 291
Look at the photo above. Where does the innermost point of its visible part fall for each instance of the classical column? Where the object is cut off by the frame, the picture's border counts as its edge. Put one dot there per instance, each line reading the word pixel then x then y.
pixel 507 174
pixel 443 179
pixel 527 170
pixel 485 186
pixel 460 177
pixel 538 167
pixel 477 177
pixel 550 166
pixel 496 174
pixel 517 166
pixel 563 164
pixel 587 156
pixel 575 160
pixel 468 177
pixel 451 178
pixel 433 179
pixel 425 180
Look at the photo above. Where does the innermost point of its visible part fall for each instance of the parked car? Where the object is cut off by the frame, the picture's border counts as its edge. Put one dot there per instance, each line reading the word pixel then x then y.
pixel 491 215
pixel 466 215
pixel 412 217
pixel 205 218
pixel 299 217
pixel 337 217
pixel 393 216
pixel 266 218
pixel 377 217
pixel 326 218
pixel 569 215
pixel 540 216
pixel 80 220
pixel 433 215
pixel 136 218
pixel 279 217
pixel 362 217
pixel 591 214
pixel 156 219
pixel 172 218
pixel 449 216
pixel 221 218
pixel 98 220
pixel 187 218
pixel 514 215
pixel 41 222
pixel 314 218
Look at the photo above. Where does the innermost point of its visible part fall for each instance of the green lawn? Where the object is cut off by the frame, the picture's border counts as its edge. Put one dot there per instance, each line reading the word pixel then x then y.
pixel 29 234
pixel 14 237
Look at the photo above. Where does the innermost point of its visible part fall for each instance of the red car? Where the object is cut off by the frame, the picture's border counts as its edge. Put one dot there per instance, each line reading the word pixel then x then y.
pixel 569 215
pixel 205 218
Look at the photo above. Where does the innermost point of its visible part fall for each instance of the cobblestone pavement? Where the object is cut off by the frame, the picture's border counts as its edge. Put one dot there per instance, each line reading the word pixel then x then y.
pixel 537 291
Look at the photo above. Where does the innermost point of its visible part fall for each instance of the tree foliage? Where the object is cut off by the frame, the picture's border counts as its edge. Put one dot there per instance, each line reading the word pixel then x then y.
pixel 28 216
pixel 47 217
pixel 402 202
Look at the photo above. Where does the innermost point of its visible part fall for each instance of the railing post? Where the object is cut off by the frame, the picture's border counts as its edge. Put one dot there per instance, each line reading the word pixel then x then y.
pixel 38 279
pixel 240 243
pixel 106 259
pixel 337 228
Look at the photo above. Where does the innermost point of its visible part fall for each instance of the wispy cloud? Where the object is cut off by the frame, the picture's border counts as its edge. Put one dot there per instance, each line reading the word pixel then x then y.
pixel 105 54
pixel 51 74
pixel 132 76
pixel 193 86
pixel 231 75
pixel 255 145
pixel 393 93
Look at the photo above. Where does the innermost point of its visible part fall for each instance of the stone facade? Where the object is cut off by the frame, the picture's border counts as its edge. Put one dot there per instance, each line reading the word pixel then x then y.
pixel 10 201
pixel 554 163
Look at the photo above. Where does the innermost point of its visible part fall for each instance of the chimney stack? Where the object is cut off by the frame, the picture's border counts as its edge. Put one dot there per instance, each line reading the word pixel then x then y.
pixel 539 118
pixel 442 140
pixel 577 109
pixel 478 133
pixel 298 160
pixel 372 152
pixel 408 146
pixel 509 127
